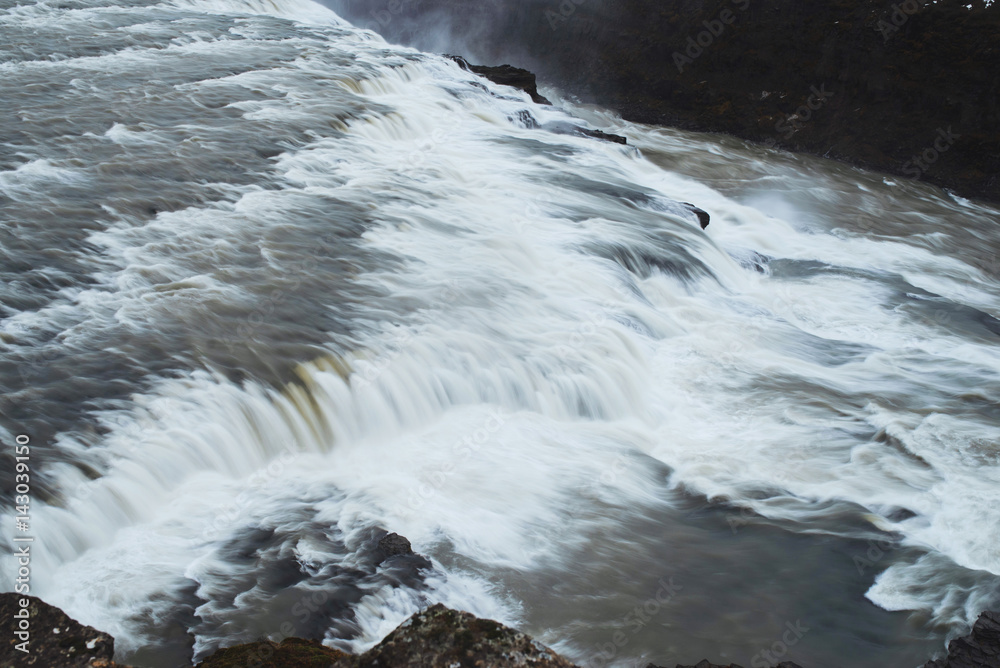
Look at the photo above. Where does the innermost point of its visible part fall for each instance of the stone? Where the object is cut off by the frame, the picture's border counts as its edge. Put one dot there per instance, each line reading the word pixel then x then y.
pixel 54 639
pixel 289 653
pixel 979 649
pixel 438 636
pixel 506 75
pixel 392 545
pixel 703 217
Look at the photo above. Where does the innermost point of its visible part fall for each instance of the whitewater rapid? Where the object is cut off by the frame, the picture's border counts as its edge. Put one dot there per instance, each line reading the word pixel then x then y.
pixel 273 286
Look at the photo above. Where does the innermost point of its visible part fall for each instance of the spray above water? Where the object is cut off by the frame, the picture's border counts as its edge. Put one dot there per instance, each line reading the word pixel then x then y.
pixel 278 287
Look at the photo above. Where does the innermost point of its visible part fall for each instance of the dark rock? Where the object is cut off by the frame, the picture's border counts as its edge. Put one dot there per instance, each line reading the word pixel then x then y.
pixel 703 217
pixel 565 128
pixel 606 136
pixel 979 649
pixel 289 653
pixel 54 639
pixel 438 636
pixel 396 550
pixel 848 79
pixel 392 545
pixel 705 663
pixel 506 75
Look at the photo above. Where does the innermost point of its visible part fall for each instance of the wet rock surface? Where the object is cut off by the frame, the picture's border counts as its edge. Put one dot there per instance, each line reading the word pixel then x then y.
pixel 707 664
pixel 54 640
pixel 439 636
pixel 979 649
pixel 436 636
pixel 289 653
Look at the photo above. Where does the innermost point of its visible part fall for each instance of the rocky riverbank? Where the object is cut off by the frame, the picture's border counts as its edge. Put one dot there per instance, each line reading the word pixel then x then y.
pixel 436 636
pixel 907 88
pixel 43 636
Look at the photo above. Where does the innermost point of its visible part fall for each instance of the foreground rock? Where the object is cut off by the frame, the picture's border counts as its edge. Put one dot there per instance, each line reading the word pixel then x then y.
pixel 439 636
pixel 706 664
pixel 436 636
pixel 51 638
pixel 289 653
pixel 979 649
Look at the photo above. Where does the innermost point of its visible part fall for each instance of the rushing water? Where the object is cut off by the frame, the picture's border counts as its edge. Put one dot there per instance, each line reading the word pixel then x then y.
pixel 272 286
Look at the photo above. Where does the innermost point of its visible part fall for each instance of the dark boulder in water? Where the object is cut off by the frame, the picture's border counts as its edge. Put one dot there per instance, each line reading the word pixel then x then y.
pixel 393 546
pixel 979 649
pixel 506 75
pixel 703 217
pixel 566 128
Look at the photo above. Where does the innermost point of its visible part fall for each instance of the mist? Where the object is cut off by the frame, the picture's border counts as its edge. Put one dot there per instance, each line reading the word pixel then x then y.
pixel 523 33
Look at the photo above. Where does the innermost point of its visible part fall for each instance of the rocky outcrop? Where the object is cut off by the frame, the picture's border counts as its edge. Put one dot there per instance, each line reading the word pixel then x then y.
pixel 43 636
pixel 436 636
pixel 506 75
pixel 439 636
pixel 706 664
pixel 901 86
pixel 289 653
pixel 516 77
pixel 979 649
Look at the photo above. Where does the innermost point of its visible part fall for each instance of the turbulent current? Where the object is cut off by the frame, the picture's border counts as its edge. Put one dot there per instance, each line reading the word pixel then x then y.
pixel 272 287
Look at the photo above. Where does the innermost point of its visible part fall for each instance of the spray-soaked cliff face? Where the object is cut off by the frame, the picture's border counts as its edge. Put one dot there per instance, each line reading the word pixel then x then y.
pixel 908 88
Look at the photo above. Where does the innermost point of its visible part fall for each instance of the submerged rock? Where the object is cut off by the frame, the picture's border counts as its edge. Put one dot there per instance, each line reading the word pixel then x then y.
pixel 979 649
pixel 52 639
